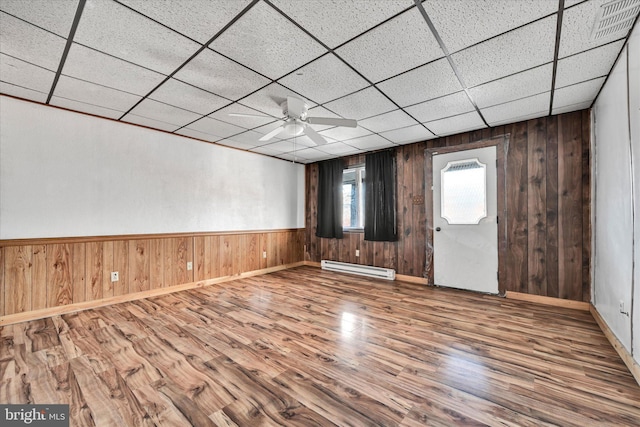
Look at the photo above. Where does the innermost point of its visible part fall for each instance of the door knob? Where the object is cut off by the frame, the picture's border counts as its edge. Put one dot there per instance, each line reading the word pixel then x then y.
pixel 438 229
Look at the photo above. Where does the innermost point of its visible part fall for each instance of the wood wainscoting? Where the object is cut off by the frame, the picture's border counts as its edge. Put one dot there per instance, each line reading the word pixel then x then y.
pixel 41 274
pixel 547 201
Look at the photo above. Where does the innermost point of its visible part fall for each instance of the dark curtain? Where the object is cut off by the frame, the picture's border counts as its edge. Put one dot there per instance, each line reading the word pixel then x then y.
pixel 380 197
pixel 330 198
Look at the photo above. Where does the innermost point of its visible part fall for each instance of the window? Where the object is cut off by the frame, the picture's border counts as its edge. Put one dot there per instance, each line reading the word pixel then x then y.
pixel 463 192
pixel 353 198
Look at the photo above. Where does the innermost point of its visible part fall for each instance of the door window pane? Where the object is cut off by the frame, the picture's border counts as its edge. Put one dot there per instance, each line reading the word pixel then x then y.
pixel 463 193
pixel 353 198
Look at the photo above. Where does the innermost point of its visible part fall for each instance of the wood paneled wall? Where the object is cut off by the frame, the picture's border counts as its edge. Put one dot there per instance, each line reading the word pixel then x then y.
pixel 548 208
pixel 39 274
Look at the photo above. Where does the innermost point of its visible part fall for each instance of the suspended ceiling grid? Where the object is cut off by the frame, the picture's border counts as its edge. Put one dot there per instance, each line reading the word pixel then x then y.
pixel 406 70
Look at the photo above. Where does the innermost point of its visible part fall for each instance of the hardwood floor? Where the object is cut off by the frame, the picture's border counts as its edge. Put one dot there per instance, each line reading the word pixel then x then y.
pixel 307 347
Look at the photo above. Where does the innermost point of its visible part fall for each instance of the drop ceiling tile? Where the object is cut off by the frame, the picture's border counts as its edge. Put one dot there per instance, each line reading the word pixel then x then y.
pixel 30 43
pixel 457 124
pixel 269 98
pixel 387 121
pixel 289 145
pixel 587 65
pixel 569 3
pixel 370 142
pixel 114 29
pixel 150 123
pixel 244 122
pixel 55 16
pixel 577 23
pixel 445 106
pixel 24 74
pixel 244 141
pixel 294 157
pixel 215 73
pixel 87 64
pixel 22 92
pixel 408 135
pixel 93 94
pixel 163 112
pixel 401 48
pixel 424 83
pixel 516 86
pixel 265 149
pixel 570 108
pixel 360 105
pixel 324 79
pixel 84 107
pixel 197 19
pixel 580 93
pixel 175 92
pixel 482 19
pixel 515 111
pixel 344 133
pixel 267 42
pixel 339 149
pixel 351 17
pixel 518 50
pixel 198 135
pixel 215 127
pixel 313 154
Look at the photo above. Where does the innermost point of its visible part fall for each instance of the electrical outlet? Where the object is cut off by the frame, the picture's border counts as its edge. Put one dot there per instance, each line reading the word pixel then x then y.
pixel 114 276
pixel 264 254
pixel 189 265
pixel 357 252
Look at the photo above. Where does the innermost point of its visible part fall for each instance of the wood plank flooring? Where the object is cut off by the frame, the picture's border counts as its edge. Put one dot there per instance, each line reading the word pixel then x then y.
pixel 305 347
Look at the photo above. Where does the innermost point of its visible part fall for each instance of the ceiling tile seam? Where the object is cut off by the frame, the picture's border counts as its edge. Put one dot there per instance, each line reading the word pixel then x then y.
pixel 510 75
pixel 581 82
pixel 157 22
pixel 294 22
pixel 433 99
pixel 626 43
pixel 410 70
pixel 240 64
pixel 99 84
pixel 593 48
pixel 556 51
pixel 449 117
pixel 33 25
pixel 503 33
pixel 202 89
pixel 67 46
pixel 27 62
pixel 444 48
pixel 20 86
pixel 341 59
pixel 197 52
pixel 516 99
pixel 88 103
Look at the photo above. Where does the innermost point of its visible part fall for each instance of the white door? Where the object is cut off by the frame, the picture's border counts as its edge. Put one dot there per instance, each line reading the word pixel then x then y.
pixel 465 235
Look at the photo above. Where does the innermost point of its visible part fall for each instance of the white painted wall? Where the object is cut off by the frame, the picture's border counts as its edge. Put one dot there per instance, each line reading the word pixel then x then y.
pixel 634 111
pixel 617 200
pixel 66 174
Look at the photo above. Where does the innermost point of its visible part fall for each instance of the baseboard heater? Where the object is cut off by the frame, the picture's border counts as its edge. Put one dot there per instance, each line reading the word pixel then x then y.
pixel 363 270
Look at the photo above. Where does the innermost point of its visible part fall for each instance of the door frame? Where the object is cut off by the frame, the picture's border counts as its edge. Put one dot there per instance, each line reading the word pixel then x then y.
pixel 502 145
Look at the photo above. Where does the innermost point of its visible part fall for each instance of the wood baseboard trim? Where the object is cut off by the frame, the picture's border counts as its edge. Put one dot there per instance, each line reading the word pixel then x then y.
pixel 313 264
pixel 626 357
pixel 556 302
pixel 71 308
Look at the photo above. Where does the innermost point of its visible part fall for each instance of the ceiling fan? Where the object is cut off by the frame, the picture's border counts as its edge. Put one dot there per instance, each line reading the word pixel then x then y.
pixel 297 122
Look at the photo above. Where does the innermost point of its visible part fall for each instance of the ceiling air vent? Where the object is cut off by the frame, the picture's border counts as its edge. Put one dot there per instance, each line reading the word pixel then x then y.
pixel 615 17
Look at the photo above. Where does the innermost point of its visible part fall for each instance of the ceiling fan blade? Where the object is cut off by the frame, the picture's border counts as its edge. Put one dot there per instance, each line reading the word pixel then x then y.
pixel 272 133
pixel 315 136
pixel 350 123
pixel 296 107
pixel 249 115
